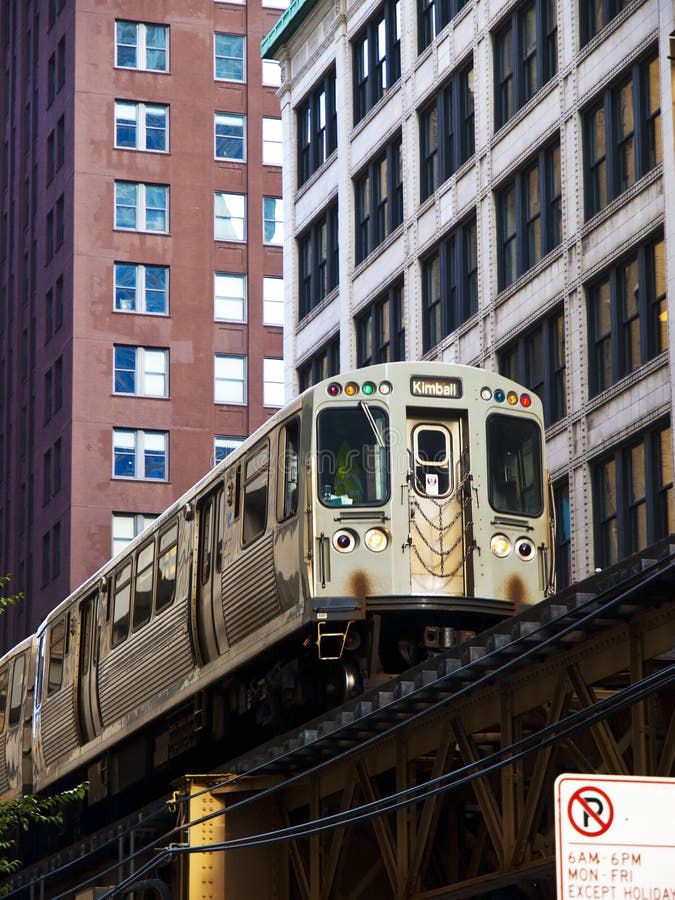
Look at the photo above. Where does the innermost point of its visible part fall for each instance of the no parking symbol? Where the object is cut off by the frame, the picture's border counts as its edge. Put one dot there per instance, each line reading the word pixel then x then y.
pixel 590 811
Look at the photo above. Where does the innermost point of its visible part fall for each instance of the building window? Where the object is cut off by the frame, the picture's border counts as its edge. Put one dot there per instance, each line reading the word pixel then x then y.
pixel 273 301
pixel 51 155
pixel 230 132
pixel 141 207
pixel 317 127
pixel 230 216
pixel 526 56
pixel 432 17
pixel 140 454
pixel 633 495
pixel 318 260
pixel 58 304
pixel 51 80
pixel 271 73
pixel 536 359
pixel 446 131
pixel 61 65
pixel 380 330
pixel 230 52
pixel 377 58
pixel 49 235
pixel 273 382
pixel 628 316
pixel 229 297
pixel 229 379
pixel 594 15
pixel 60 224
pixel 449 285
pixel 223 446
pixel 127 526
pixel 141 46
pixel 141 126
pixel 273 220
pixel 273 145
pixel 378 196
pixel 47 477
pixel 622 135
pixel 529 215
pixel 142 371
pixel 142 289
pixel 323 364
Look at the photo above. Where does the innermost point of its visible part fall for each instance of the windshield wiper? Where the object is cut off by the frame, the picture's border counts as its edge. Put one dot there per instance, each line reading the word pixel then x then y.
pixel 371 421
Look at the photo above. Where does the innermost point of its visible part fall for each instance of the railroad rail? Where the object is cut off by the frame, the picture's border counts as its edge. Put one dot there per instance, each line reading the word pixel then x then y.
pixel 436 784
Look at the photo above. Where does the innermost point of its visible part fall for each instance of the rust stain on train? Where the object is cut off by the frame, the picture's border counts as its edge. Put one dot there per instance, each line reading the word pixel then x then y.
pixel 359 585
pixel 516 590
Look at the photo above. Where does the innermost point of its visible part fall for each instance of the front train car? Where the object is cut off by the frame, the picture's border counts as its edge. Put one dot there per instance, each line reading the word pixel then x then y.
pixel 430 511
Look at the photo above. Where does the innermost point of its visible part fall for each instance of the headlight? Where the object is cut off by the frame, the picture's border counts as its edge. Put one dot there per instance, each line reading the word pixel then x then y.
pixel 345 540
pixel 525 549
pixel 376 539
pixel 500 546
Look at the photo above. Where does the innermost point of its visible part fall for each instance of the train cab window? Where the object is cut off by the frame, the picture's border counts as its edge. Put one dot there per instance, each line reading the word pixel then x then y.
pixel 353 455
pixel 58 634
pixel 143 587
pixel 289 446
pixel 4 680
pixel 432 460
pixel 16 694
pixel 255 494
pixel 515 479
pixel 166 568
pixel 122 603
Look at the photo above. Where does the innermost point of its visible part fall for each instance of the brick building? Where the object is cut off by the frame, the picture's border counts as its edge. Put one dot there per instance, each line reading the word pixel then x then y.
pixel 141 307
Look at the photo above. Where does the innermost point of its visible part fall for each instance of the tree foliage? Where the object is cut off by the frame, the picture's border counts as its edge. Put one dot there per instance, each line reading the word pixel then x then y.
pixel 23 812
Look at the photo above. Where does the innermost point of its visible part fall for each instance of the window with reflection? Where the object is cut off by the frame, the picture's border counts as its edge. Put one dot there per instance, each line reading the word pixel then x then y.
pixel 627 315
pixel 633 495
pixel 353 455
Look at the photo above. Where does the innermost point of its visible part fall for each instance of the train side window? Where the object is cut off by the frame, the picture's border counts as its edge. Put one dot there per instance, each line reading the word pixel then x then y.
pixel 289 442
pixel 121 605
pixel 4 678
pixel 166 568
pixel 143 587
pixel 57 654
pixel 432 459
pixel 16 694
pixel 206 528
pixel 255 494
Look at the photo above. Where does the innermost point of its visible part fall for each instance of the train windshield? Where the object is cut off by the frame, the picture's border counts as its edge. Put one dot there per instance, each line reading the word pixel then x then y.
pixel 514 465
pixel 353 456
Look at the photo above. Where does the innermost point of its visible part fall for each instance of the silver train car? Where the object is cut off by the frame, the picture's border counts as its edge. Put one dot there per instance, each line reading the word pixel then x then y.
pixel 370 523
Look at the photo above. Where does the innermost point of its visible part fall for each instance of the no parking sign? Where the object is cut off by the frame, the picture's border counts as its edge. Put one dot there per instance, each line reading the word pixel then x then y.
pixel 615 837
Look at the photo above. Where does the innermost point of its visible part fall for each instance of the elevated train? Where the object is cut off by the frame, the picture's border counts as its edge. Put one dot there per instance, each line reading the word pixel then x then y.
pixel 371 522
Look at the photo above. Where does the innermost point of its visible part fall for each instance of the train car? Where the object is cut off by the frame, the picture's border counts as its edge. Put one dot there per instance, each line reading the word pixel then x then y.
pixel 17 673
pixel 368 524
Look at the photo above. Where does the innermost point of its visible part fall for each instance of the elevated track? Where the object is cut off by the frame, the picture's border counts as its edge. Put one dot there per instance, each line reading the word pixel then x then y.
pixel 437 784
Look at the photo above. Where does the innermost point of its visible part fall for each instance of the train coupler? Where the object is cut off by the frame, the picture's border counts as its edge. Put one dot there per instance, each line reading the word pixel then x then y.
pixel 330 644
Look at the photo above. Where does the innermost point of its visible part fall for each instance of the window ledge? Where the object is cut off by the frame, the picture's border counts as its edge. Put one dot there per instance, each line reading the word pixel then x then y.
pixel 627 382
pixel 522 280
pixel 315 176
pixel 317 310
pixel 623 199
pixel 377 251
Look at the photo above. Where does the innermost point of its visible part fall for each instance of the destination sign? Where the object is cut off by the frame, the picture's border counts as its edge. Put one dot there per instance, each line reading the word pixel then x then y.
pixel 436 387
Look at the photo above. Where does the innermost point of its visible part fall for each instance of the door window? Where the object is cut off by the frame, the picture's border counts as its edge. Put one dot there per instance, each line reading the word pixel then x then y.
pixel 432 461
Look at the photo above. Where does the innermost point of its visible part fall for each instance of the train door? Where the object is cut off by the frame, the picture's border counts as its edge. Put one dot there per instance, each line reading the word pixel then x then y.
pixel 438 496
pixel 89 715
pixel 210 618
